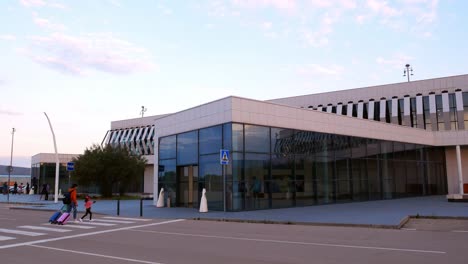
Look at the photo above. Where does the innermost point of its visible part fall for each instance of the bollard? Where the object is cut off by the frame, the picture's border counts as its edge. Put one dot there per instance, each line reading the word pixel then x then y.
pixel 203 203
pixel 160 198
pixel 141 207
pixel 118 206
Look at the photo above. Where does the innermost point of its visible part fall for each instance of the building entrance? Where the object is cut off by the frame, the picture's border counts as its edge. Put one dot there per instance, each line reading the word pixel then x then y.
pixel 187 182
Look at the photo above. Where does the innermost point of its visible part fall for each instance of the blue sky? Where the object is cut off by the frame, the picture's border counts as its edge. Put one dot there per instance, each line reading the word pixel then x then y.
pixel 87 63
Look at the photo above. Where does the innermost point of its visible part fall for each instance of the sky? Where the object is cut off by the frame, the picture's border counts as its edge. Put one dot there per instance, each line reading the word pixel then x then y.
pixel 89 62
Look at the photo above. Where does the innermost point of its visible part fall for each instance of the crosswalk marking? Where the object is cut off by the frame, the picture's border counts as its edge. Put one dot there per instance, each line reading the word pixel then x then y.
pixel 124 218
pixel 94 223
pixel 60 230
pixel 75 226
pixel 3 238
pixel 20 232
pixel 114 221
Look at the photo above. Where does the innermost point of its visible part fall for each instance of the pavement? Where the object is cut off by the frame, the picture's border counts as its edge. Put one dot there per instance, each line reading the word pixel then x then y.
pixel 382 213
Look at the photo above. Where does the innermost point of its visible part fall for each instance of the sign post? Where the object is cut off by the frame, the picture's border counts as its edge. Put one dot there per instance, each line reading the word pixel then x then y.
pixel 224 161
pixel 70 167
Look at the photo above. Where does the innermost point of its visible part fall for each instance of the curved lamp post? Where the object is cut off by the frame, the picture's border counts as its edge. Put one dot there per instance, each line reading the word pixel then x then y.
pixel 57 162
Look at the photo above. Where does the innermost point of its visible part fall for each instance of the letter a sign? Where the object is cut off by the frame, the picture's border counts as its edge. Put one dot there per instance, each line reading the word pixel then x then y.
pixel 224 157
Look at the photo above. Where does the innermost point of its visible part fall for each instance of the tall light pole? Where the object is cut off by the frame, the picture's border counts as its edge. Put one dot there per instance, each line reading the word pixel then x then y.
pixel 143 110
pixel 10 169
pixel 408 71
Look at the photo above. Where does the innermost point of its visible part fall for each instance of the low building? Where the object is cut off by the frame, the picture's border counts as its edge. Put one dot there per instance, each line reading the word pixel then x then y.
pixel 380 142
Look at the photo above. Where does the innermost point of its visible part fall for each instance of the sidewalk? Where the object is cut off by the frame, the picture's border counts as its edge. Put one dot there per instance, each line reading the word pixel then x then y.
pixel 383 213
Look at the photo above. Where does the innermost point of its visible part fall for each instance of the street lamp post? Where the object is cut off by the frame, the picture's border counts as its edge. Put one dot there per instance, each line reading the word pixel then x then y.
pixel 408 71
pixel 10 169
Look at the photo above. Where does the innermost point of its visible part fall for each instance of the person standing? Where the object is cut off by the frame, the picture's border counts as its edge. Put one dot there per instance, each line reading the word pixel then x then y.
pixel 88 204
pixel 27 188
pixel 74 203
pixel 15 188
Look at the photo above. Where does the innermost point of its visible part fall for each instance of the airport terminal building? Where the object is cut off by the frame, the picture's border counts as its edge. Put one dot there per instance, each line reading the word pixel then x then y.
pixel 381 142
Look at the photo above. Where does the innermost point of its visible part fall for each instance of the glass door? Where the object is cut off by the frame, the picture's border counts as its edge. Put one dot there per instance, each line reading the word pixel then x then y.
pixel 187 182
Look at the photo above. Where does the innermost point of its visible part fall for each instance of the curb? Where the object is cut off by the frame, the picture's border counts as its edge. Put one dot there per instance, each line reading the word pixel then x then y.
pixel 296 223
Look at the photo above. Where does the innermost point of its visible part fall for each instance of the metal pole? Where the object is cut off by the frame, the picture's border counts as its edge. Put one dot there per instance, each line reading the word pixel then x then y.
pixel 10 169
pixel 141 207
pixel 224 186
pixel 407 71
pixel 118 206
pixel 57 162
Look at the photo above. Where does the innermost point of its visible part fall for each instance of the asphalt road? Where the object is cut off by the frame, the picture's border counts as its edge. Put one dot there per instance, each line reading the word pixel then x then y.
pixel 24 239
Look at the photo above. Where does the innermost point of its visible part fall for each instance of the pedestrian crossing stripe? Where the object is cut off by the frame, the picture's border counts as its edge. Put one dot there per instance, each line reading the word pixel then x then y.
pixel 3 238
pixel 114 221
pixel 75 226
pixel 125 218
pixel 93 223
pixel 20 232
pixel 59 230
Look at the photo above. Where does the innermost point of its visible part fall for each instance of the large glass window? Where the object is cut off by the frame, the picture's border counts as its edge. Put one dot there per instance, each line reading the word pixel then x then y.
pixel 167 147
pixel 237 137
pixel 187 148
pixel 210 140
pixel 257 139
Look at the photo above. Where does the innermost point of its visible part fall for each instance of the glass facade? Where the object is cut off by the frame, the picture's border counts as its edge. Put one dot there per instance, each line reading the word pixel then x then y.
pixel 277 168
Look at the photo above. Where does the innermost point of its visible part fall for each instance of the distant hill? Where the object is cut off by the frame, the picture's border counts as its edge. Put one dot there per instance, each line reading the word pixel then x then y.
pixel 16 170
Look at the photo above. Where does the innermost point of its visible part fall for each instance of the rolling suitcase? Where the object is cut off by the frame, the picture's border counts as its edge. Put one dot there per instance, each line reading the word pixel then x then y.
pixel 63 218
pixel 53 219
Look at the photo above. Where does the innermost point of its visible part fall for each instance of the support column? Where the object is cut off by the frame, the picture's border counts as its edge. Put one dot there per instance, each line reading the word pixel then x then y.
pixel 459 166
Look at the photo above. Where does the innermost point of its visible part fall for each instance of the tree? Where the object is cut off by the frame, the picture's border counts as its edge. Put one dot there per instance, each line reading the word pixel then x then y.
pixel 110 168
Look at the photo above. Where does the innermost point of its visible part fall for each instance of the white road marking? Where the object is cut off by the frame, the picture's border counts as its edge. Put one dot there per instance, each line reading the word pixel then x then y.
pixel 97 255
pixel 93 223
pixel 113 221
pixel 125 218
pixel 75 226
pixel 460 231
pixel 297 242
pixel 3 238
pixel 409 229
pixel 87 234
pixel 20 232
pixel 60 230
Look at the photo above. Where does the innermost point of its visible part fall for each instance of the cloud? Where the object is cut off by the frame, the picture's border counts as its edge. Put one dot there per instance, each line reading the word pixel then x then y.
pixel 7 37
pixel 10 113
pixel 40 3
pixel 277 4
pixel 397 61
pixel 46 24
pixel 76 55
pixel 315 69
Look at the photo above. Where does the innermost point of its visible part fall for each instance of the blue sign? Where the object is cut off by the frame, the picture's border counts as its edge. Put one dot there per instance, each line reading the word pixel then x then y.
pixel 224 157
pixel 70 166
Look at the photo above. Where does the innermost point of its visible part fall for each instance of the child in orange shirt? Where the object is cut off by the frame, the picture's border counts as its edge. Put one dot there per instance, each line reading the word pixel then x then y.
pixel 88 204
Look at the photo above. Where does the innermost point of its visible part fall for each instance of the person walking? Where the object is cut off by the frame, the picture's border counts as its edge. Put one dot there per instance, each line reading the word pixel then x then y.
pixel 74 203
pixel 88 204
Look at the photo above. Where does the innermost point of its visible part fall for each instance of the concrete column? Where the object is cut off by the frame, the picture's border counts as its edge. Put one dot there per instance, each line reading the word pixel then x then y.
pixel 370 110
pixel 339 109
pixel 349 111
pixel 460 109
pixel 394 117
pixel 383 108
pixel 445 110
pixel 419 111
pixel 406 119
pixel 329 108
pixel 459 167
pixel 360 109
pixel 432 111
